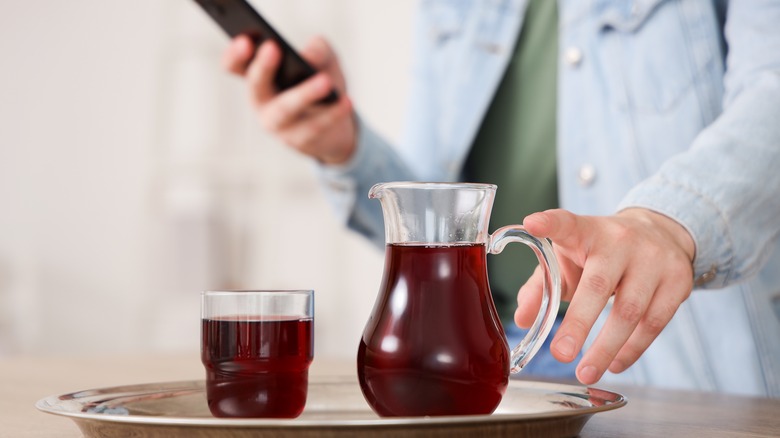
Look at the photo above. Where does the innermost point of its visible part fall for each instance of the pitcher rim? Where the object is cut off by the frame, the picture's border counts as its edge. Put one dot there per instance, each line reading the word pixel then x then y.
pixel 430 185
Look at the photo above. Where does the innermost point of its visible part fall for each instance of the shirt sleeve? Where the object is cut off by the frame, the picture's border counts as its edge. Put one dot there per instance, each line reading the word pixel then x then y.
pixel 346 186
pixel 725 190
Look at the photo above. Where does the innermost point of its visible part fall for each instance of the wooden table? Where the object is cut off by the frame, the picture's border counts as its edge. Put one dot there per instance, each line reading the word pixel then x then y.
pixel 649 413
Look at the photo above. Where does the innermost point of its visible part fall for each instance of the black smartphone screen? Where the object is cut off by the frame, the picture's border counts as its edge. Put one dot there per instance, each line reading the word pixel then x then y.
pixel 237 17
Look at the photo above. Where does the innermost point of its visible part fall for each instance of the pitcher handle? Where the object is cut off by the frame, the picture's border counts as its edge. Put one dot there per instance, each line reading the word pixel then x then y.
pixel 551 297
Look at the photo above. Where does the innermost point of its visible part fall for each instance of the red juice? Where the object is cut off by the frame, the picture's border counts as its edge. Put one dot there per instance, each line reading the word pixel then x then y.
pixel 434 344
pixel 257 367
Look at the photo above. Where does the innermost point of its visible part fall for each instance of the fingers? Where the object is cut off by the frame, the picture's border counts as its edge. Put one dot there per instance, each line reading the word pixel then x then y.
pixel 318 53
pixel 634 256
pixel 598 281
pixel 290 106
pixel 561 226
pixel 261 71
pixel 279 110
pixel 631 303
pixel 237 55
pixel 296 115
pixel 305 137
pixel 662 308
pixel 529 299
pixel 658 316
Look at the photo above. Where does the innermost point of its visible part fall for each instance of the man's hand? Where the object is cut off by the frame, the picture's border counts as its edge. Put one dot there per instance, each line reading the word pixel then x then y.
pixel 642 258
pixel 325 132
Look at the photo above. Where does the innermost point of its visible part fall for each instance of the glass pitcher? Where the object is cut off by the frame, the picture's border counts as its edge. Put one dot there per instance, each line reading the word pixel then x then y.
pixel 434 344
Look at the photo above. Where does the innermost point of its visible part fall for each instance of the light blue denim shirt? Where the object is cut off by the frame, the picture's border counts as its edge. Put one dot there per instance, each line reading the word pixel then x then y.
pixel 668 105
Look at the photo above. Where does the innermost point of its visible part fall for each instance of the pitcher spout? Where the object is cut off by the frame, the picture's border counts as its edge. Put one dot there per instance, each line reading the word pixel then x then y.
pixel 377 191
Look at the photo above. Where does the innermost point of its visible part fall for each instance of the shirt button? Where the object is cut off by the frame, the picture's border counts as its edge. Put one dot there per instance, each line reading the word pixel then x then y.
pixel 707 276
pixel 586 175
pixel 572 56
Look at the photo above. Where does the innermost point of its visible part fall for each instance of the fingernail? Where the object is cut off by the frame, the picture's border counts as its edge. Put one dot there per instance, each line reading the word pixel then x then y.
pixel 566 346
pixel 588 375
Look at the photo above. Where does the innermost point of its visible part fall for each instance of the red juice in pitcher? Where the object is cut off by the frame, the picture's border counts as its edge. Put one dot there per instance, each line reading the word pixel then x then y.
pixel 257 367
pixel 434 344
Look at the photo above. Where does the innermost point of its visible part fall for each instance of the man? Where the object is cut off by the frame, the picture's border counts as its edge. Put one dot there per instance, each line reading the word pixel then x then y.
pixel 667 153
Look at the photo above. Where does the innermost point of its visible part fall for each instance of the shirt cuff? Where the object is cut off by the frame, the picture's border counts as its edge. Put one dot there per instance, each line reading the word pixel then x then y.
pixel 340 181
pixel 700 216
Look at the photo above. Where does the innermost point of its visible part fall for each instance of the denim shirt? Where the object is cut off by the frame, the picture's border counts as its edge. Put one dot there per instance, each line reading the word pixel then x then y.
pixel 673 106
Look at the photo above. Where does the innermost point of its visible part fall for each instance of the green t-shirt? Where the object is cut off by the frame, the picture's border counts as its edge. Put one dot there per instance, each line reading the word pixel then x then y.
pixel 515 147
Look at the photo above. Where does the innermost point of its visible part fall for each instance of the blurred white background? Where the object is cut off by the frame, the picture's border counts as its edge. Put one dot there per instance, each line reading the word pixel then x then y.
pixel 133 174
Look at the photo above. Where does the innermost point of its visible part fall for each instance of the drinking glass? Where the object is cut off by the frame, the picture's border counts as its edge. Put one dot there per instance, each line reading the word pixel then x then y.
pixel 257 346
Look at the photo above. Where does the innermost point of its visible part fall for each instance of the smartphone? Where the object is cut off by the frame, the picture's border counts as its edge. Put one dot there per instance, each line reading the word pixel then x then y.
pixel 237 17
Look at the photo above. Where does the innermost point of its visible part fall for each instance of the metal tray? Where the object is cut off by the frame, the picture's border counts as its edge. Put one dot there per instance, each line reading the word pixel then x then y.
pixel 335 407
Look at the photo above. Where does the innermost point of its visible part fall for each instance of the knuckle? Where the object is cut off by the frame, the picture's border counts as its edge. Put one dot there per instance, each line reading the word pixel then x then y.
pixel 681 270
pixel 599 284
pixel 577 327
pixel 342 110
pixel 687 290
pixel 284 112
pixel 680 275
pixel 296 143
pixel 655 322
pixel 268 122
pixel 628 310
pixel 274 117
pixel 306 139
pixel 622 233
pixel 654 252
pixel 320 125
